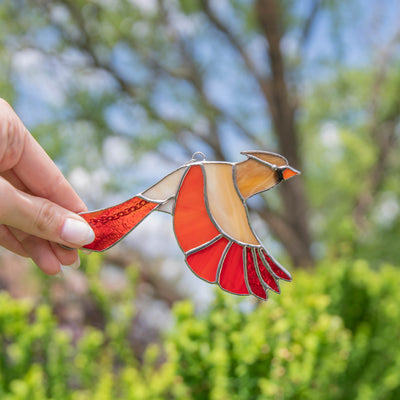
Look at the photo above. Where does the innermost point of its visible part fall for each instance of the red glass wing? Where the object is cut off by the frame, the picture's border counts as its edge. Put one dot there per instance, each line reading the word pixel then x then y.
pixel 277 270
pixel 111 224
pixel 232 273
pixel 204 263
pixel 252 277
pixel 192 223
pixel 267 276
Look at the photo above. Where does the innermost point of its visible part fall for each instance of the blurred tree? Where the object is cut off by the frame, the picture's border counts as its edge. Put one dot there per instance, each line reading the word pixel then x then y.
pixel 218 76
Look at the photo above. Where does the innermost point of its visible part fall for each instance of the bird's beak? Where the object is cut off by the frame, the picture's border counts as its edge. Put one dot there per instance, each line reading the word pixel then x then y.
pixel 288 172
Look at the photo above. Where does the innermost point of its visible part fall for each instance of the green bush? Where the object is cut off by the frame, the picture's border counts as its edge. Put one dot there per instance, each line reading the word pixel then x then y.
pixel 39 361
pixel 332 334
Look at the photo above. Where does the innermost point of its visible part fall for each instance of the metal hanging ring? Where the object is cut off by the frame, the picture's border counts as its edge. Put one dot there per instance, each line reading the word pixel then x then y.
pixel 199 153
pixel 194 159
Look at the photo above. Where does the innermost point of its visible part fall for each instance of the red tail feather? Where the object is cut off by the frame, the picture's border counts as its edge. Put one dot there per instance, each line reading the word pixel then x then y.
pixel 278 270
pixel 111 224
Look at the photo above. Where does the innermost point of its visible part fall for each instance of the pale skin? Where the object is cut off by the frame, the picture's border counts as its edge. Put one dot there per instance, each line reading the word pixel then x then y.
pixel 38 207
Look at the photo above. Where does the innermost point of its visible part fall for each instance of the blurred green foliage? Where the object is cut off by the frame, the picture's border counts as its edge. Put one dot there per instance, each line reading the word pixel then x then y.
pixel 332 335
pixel 40 361
pixel 342 153
pixel 152 73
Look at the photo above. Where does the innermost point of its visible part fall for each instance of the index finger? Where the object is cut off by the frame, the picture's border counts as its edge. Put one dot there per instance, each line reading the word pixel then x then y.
pixel 31 164
pixel 42 177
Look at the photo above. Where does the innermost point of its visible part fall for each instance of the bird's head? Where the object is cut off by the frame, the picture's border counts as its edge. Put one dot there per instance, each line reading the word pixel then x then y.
pixel 261 171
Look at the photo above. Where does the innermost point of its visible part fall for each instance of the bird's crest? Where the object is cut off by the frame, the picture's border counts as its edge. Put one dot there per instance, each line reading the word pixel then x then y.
pixel 270 159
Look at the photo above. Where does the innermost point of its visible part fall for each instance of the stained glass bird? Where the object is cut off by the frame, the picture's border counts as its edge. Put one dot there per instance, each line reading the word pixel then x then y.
pixel 207 200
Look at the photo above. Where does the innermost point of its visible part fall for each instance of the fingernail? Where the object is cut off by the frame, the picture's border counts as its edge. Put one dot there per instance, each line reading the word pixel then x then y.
pixel 74 265
pixel 77 232
pixel 60 274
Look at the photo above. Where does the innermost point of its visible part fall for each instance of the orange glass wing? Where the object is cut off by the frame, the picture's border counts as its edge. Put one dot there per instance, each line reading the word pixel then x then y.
pixel 192 223
pixel 113 223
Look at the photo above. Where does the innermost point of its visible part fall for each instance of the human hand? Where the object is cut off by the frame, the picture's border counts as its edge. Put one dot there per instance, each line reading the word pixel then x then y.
pixel 37 204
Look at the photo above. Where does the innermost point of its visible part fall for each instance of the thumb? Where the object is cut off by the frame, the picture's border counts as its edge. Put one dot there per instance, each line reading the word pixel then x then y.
pixel 42 218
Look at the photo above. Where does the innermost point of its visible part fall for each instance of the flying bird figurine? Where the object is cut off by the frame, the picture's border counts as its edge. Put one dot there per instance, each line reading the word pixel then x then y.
pixel 207 200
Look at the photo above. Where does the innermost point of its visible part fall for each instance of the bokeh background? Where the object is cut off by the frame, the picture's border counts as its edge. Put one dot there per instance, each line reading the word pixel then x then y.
pixel 120 93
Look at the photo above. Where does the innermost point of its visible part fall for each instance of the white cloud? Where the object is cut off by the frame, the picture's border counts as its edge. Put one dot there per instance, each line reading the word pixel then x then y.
pixel 117 152
pixel 388 210
pixel 330 135
pixel 146 6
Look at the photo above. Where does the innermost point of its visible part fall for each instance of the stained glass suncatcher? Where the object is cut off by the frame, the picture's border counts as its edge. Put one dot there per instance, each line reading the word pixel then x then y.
pixel 207 200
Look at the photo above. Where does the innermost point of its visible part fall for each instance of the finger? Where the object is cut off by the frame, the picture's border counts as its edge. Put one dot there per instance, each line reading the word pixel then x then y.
pixel 11 177
pixel 21 152
pixel 43 252
pixel 66 257
pixel 40 251
pixel 45 179
pixel 12 137
pixel 69 258
pixel 42 255
pixel 42 218
pixel 10 242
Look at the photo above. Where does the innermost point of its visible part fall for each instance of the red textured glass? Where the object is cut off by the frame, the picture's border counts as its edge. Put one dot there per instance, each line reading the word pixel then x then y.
pixel 252 277
pixel 276 269
pixel 204 263
pixel 113 223
pixel 192 223
pixel 232 274
pixel 266 275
